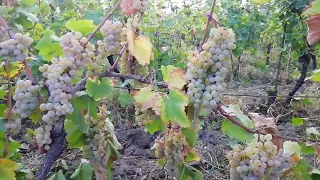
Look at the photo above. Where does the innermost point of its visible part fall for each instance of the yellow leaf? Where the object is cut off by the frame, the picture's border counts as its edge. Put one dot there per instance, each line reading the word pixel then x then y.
pixel 14 69
pixel 260 1
pixel 177 79
pixel 145 99
pixel 140 47
pixel 7 168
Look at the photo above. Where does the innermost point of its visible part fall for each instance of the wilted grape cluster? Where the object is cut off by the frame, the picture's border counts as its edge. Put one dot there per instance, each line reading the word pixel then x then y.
pixel 170 146
pixel 261 159
pixel 208 69
pixel 16 48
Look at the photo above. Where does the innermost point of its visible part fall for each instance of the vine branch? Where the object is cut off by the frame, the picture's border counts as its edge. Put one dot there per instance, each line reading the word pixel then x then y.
pixel 254 131
pixel 208 23
pixel 9 115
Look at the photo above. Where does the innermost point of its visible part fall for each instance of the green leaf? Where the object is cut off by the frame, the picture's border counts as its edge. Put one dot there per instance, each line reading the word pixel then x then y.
pixel 36 115
pixel 300 170
pixel 315 8
pixel 27 2
pixel 83 105
pixel 191 136
pixel 260 1
pixel 192 156
pixel 154 125
pixel 307 150
pixel 58 176
pixel 187 172
pixel 291 148
pixel 84 172
pixel 3 107
pixel 126 99
pixel 75 137
pixel 166 71
pixel 315 174
pixel 12 147
pixel 7 169
pixel 4 10
pixel 23 21
pixel 46 47
pixel 82 26
pixel 30 16
pixel 173 108
pixel 2 94
pixel 234 131
pixel 3 123
pixel 94 15
pixel 296 121
pixel 235 111
pixel 98 89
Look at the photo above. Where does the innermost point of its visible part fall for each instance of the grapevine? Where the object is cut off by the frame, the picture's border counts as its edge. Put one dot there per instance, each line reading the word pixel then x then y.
pixel 58 76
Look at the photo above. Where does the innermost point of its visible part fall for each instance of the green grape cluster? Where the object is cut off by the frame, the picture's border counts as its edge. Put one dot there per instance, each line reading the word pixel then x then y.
pixel 16 48
pixel 170 146
pixel 73 47
pixel 43 137
pixel 25 97
pixel 142 116
pixel 111 43
pixel 208 69
pixel 96 144
pixel 261 159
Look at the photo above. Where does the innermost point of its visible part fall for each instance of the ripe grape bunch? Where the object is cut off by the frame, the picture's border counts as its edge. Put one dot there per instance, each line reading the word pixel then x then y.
pixel 95 149
pixel 43 137
pixel 72 46
pixel 261 159
pixel 25 97
pixel 17 48
pixel 208 69
pixel 171 146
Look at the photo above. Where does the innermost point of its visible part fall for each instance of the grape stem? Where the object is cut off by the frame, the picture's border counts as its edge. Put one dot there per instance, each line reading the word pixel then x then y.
pixel 208 23
pixel 254 131
pixel 103 21
pixel 5 25
pixel 9 115
pixel 123 49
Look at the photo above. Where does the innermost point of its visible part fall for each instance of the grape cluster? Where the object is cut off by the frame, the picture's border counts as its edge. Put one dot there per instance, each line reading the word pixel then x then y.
pixel 261 159
pixel 208 69
pixel 95 148
pixel 112 33
pixel 72 46
pixel 171 146
pixel 16 48
pixel 142 116
pixel 58 78
pixel 141 5
pixel 43 137
pixel 25 97
pixel 25 102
